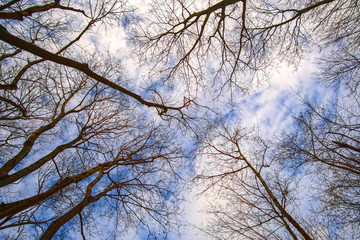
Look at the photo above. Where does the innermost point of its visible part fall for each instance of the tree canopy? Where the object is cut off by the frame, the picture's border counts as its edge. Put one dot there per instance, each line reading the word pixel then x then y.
pixel 99 143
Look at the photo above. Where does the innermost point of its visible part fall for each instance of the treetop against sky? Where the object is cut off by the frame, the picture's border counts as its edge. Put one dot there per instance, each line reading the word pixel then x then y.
pixel 179 119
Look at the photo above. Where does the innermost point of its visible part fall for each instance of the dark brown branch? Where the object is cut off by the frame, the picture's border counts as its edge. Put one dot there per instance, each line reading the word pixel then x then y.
pixel 197 15
pixel 13 85
pixel 36 165
pixel 273 198
pixel 345 145
pixel 10 54
pixel 36 9
pixel 298 14
pixel 9 4
pixel 28 144
pixel 15 41
pixel 55 225
pixel 81 226
pixel 17 106
pixel 10 209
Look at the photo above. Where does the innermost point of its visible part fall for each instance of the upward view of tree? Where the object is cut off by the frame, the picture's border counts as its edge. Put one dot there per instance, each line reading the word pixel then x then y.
pixel 79 158
pixel 255 200
pixel 89 152
pixel 326 145
pixel 234 42
pixel 259 182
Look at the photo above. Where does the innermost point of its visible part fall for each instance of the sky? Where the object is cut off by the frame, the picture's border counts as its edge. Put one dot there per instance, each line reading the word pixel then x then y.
pixel 269 107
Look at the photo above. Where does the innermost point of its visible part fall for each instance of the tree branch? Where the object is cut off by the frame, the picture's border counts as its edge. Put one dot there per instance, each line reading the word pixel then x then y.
pixel 15 41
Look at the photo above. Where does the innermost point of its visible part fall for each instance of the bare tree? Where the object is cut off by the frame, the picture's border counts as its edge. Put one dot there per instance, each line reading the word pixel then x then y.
pixel 122 181
pixel 42 42
pixel 83 143
pixel 78 150
pixel 325 143
pixel 234 42
pixel 340 67
pixel 256 198
pixel 77 142
pixel 255 182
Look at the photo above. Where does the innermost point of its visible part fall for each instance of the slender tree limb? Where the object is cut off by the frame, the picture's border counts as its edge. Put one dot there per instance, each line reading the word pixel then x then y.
pixel 9 4
pixel 293 222
pixel 10 54
pixel 28 144
pixel 36 9
pixel 55 225
pixel 17 106
pixel 15 41
pixel 13 85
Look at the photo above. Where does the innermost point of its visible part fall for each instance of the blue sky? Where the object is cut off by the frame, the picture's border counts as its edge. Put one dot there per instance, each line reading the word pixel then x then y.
pixel 269 107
